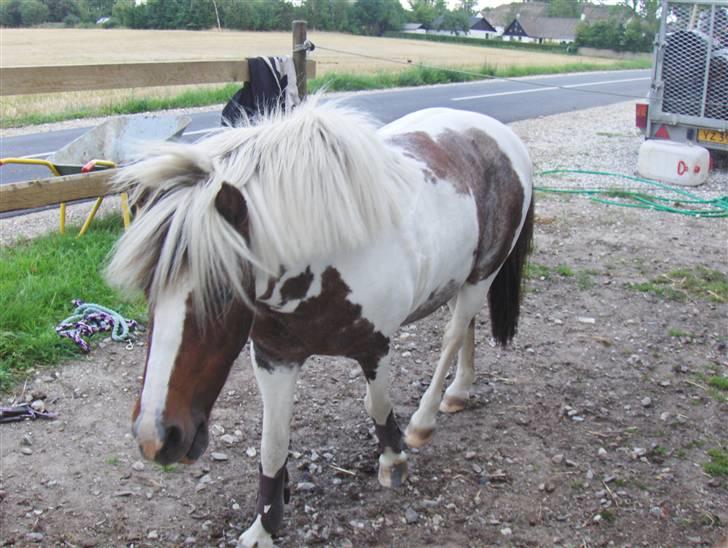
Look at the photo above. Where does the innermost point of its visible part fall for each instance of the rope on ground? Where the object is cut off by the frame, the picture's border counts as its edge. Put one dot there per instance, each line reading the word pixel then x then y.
pixel 480 75
pixel 685 204
pixel 90 318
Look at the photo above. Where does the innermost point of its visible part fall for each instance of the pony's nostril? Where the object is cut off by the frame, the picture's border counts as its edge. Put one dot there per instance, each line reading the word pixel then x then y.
pixel 172 436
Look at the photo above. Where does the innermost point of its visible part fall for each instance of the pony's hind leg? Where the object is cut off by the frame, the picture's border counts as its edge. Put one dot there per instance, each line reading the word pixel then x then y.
pixel 277 383
pixel 469 301
pixel 457 394
pixel 392 458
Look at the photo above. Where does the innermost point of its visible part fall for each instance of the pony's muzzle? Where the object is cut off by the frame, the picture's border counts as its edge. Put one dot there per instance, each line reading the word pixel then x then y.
pixel 169 444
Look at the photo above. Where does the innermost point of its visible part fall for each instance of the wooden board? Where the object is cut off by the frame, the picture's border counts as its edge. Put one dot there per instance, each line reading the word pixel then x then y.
pixel 43 192
pixel 51 79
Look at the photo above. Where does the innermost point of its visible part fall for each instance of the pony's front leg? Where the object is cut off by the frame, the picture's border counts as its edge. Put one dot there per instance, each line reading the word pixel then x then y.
pixel 392 458
pixel 277 383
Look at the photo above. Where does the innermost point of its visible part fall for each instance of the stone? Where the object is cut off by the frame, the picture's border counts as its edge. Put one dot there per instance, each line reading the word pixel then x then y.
pixel 251 452
pixel 506 532
pixel 138 466
pixel 218 456
pixel 26 441
pixel 602 453
pixel 410 516
pixel 26 451
pixel 646 402
pixel 469 455
pixel 34 537
pixel 217 430
pixel 305 486
pixel 227 439
pixel 153 535
pixel 38 405
pixel 557 459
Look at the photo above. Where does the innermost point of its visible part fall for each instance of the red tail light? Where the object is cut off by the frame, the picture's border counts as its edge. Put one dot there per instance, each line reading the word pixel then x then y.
pixel 640 115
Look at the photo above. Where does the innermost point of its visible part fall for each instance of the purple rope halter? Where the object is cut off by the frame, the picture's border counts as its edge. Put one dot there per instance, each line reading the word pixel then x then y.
pixel 89 318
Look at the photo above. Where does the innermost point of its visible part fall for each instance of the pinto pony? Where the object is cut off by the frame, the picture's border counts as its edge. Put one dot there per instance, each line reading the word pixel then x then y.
pixel 315 233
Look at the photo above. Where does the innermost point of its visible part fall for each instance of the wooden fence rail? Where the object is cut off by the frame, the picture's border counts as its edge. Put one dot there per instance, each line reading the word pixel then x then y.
pixel 52 79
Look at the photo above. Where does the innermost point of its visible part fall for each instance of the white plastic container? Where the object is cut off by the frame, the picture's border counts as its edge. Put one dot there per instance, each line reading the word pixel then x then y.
pixel 674 163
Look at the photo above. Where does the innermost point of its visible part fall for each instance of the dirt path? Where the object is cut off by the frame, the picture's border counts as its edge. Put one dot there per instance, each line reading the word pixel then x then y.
pixel 591 429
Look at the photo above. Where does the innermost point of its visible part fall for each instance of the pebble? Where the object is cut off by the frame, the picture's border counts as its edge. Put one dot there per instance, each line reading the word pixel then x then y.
pixel 656 511
pixel 218 456
pixel 582 319
pixel 251 452
pixel 38 405
pixel 153 535
pixel 138 466
pixel 228 439
pixel 506 532
pixel 190 540
pixel 646 402
pixel 34 537
pixel 26 451
pixel 664 416
pixel 305 486
pixel 411 516
pixel 469 455
pixel 26 441
pixel 557 459
pixel 406 354
pixel 217 430
pixel 602 453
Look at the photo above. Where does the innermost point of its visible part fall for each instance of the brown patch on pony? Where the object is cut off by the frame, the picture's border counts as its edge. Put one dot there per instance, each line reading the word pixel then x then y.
pixel 473 163
pixel 327 324
pixel 200 369
pixel 295 288
pixel 230 203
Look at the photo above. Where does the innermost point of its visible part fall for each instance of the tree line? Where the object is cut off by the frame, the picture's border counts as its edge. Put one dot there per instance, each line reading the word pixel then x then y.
pixel 634 32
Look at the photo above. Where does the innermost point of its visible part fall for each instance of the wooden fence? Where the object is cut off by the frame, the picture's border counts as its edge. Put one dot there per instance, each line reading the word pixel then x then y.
pixel 39 79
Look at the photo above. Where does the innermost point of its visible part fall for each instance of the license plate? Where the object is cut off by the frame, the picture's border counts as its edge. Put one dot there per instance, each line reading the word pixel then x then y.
pixel 713 136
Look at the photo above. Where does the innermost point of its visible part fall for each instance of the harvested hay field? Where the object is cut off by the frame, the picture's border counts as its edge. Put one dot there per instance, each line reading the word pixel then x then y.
pixel 90 46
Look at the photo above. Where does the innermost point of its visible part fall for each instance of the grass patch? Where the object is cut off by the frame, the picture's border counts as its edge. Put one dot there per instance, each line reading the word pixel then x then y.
pixel 721 383
pixel 718 465
pixel 113 460
pixel 678 333
pixel 683 284
pixel 410 77
pixel 537 271
pixel 608 516
pixel 38 280
pixel 584 279
pixel 564 271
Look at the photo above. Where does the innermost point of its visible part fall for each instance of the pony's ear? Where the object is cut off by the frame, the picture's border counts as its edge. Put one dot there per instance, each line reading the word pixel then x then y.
pixel 230 203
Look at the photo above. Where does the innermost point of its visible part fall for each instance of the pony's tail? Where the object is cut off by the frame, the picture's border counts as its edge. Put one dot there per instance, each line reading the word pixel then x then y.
pixel 505 292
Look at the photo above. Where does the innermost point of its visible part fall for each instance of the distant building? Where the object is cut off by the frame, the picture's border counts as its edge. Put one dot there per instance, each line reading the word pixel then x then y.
pixel 541 29
pixel 414 28
pixel 478 27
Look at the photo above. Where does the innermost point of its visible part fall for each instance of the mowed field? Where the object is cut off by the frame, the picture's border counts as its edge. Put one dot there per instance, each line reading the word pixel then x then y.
pixel 90 46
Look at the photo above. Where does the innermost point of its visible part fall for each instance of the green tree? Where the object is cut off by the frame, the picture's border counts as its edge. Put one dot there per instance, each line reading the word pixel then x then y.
pixel 58 10
pixel 375 17
pixel 423 11
pixel 565 8
pixel 33 12
pixel 10 13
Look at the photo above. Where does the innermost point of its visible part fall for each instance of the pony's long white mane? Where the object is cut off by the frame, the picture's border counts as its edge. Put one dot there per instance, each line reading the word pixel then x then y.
pixel 317 181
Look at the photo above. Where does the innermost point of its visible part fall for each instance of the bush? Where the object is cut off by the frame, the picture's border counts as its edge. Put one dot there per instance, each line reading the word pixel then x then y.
pixel 112 23
pixel 33 12
pixel 71 20
pixel 496 42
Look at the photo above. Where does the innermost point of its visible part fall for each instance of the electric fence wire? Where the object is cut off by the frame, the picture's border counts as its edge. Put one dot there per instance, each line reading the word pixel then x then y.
pixel 480 75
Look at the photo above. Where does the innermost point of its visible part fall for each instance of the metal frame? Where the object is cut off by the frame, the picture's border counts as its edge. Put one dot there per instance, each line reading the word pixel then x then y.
pixel 656 114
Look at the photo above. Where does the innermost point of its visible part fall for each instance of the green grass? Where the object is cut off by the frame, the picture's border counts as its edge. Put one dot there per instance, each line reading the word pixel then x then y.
pixel 564 271
pixel 537 271
pixel 409 77
pixel 721 383
pixel 718 465
pixel 678 333
pixel 684 284
pixel 38 280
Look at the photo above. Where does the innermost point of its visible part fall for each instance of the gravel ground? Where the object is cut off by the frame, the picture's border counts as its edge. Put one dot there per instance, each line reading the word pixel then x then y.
pixel 590 430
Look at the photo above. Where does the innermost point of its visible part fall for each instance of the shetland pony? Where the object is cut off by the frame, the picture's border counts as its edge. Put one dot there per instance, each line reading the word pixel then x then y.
pixel 315 233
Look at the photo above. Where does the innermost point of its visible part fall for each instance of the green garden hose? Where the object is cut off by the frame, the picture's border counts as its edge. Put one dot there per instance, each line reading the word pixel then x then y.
pixel 685 204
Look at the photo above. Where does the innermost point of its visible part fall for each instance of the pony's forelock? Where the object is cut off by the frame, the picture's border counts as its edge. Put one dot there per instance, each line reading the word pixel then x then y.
pixel 316 182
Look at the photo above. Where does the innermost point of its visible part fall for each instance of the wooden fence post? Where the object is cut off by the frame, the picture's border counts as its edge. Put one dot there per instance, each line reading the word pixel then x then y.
pixel 299 56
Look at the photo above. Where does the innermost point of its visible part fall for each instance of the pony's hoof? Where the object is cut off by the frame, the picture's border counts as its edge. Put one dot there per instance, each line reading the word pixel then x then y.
pixel 393 476
pixel 256 537
pixel 452 404
pixel 418 437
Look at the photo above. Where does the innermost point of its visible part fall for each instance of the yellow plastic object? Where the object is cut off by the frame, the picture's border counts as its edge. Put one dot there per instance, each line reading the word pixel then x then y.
pixel 52 167
pixel 90 216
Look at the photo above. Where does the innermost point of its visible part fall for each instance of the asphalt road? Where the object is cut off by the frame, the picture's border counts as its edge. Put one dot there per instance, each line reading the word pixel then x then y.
pixel 506 100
